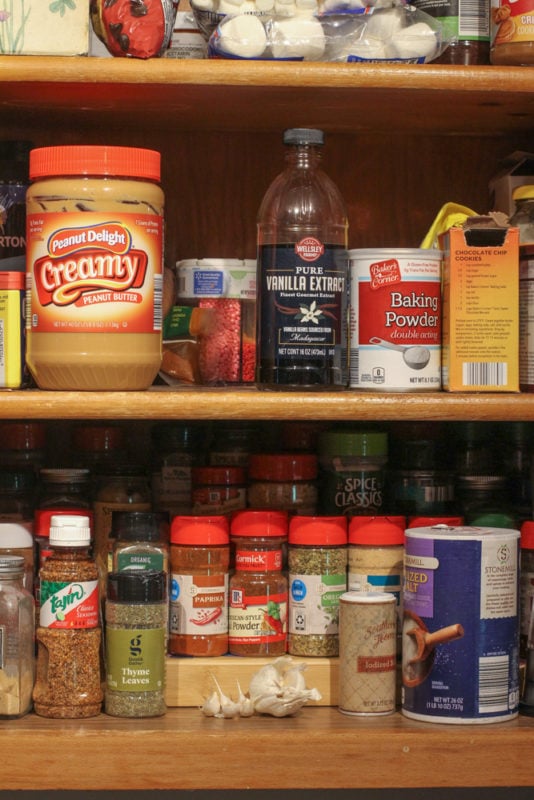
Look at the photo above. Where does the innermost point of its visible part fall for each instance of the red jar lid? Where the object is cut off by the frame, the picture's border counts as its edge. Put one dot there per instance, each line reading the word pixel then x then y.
pixel 259 523
pixel 22 436
pixel 527 535
pixel 42 517
pixel 199 530
pixel 218 476
pixel 320 531
pixel 283 466
pixel 377 530
pixel 98 437
pixel 427 522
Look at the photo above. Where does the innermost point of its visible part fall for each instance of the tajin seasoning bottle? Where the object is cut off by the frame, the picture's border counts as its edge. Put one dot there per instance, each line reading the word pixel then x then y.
pixel 302 274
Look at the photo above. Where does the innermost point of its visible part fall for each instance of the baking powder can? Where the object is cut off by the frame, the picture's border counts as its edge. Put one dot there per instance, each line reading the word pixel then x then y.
pixel 395 319
pixel 460 630
pixel 367 653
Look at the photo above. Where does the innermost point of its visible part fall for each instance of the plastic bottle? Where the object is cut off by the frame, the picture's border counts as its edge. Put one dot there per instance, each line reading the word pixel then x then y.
pixel 257 613
pixel 302 274
pixel 94 249
pixel 68 680
pixel 136 630
pixel 17 627
pixel 200 556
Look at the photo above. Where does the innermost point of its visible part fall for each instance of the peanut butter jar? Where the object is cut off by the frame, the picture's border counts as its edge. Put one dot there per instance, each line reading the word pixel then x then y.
pixel 94 267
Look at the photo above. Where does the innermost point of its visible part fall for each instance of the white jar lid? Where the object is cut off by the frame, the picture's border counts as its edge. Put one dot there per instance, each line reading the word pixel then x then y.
pixel 69 530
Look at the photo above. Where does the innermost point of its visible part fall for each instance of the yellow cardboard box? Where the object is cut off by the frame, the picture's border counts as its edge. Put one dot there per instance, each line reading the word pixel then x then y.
pixel 480 333
pixel 44 27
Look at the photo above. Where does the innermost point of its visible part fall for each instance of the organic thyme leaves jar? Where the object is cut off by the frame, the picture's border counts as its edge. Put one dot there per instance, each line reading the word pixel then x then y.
pixel 283 481
pixel 258 589
pixel 95 265
pixel 200 556
pixel 352 471
pixel 136 631
pixel 68 681
pixel 317 558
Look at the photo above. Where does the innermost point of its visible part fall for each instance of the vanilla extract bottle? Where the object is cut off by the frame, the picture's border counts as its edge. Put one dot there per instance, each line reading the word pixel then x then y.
pixel 302 274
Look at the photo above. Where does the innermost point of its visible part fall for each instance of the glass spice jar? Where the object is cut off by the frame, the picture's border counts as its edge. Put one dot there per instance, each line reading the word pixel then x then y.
pixel 218 490
pixel 283 481
pixel 317 558
pixel 176 449
pixel 68 680
pixel 200 556
pixel 17 628
pixel 136 629
pixel 140 541
pixel 258 589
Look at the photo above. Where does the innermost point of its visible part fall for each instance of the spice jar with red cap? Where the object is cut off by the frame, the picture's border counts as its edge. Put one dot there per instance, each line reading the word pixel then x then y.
pixel 317 559
pixel 218 490
pixel 200 556
pixel 257 613
pixel 283 481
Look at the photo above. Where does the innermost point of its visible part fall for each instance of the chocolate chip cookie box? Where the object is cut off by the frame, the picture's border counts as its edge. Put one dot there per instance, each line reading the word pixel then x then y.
pixel 44 28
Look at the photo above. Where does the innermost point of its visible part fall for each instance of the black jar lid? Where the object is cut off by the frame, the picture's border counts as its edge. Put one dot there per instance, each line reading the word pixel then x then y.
pixel 137 586
pixel 140 526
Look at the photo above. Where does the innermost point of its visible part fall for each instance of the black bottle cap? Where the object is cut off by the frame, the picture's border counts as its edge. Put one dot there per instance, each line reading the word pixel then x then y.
pixel 137 586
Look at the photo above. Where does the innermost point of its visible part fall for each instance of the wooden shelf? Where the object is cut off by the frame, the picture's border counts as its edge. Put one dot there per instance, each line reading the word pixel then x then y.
pixel 250 403
pixel 266 96
pixel 318 748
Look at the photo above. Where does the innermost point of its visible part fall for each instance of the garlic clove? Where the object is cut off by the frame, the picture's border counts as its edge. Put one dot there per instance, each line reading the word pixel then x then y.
pixel 229 708
pixel 246 706
pixel 211 706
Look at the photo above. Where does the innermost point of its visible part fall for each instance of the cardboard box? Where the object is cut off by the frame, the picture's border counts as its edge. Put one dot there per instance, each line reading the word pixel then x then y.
pixel 45 28
pixel 480 333
pixel 517 170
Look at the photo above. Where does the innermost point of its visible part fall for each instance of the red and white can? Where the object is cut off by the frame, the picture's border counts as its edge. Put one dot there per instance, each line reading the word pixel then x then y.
pixel 395 319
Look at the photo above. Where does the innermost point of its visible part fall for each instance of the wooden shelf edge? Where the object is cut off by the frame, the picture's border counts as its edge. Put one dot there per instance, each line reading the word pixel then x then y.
pixel 49 69
pixel 249 403
pixel 318 748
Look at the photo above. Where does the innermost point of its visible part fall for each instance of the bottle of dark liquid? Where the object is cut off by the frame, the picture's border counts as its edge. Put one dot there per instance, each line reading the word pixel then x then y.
pixel 467 24
pixel 302 274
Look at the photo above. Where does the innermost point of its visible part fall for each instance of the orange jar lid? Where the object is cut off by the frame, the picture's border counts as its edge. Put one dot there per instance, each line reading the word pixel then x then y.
pixel 259 523
pixel 377 530
pixel 319 531
pixel 283 466
pixel 97 160
pixel 199 530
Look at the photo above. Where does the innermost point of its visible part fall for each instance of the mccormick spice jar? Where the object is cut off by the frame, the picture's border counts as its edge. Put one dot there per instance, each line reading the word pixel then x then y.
pixel 283 481
pixel 258 588
pixel 68 681
pixel 136 631
pixel 200 556
pixel 317 559
pixel 95 264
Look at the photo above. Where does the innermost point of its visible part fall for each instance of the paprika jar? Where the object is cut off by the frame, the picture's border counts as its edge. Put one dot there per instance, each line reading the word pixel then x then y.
pixel 317 558
pixel 200 555
pixel 218 490
pixel 258 589
pixel 95 264
pixel 283 481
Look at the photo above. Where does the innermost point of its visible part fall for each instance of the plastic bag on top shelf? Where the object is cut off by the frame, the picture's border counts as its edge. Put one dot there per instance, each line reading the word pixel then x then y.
pixel 397 32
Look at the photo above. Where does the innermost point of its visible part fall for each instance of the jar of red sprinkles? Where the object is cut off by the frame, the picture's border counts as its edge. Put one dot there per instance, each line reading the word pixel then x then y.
pixel 226 287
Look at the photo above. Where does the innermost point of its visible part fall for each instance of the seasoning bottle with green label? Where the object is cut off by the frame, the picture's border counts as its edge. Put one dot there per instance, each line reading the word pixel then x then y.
pixel 140 541
pixel 352 471
pixel 317 559
pixel 136 630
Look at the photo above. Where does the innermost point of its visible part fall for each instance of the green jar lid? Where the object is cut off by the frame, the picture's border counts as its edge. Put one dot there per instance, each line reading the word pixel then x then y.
pixel 353 443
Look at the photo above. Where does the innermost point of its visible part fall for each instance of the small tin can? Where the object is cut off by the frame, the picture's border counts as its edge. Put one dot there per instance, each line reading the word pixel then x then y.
pixel 395 319
pixel 367 653
pixel 460 630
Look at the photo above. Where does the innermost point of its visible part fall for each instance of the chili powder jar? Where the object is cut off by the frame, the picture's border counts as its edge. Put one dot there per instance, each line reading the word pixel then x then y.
pixel 317 558
pixel 258 588
pixel 200 556
pixel 68 682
